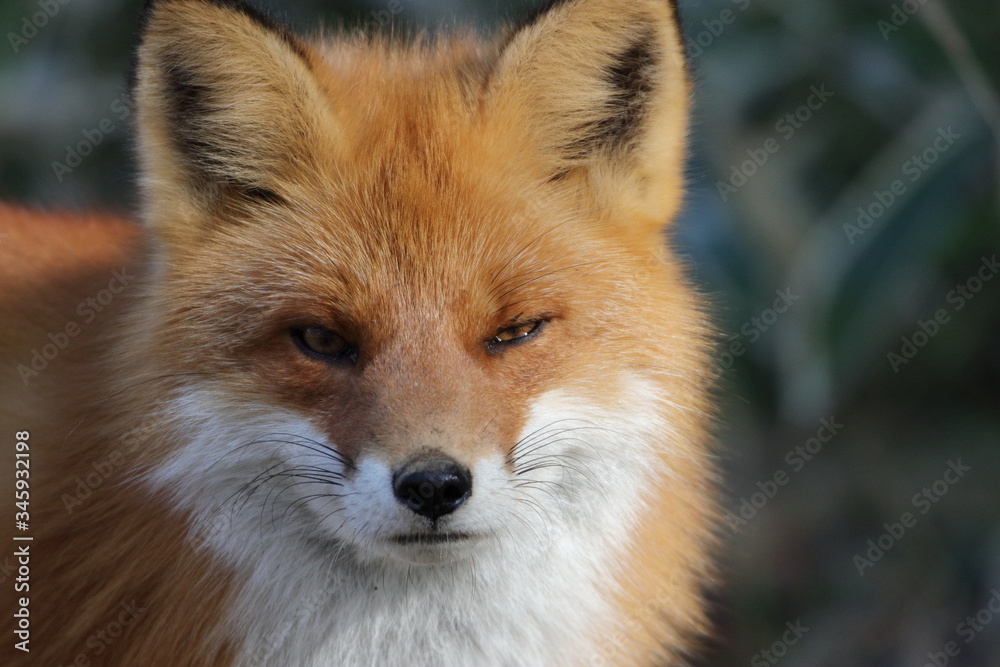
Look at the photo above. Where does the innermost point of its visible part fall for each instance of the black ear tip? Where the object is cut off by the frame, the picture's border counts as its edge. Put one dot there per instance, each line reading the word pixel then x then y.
pixel 549 5
pixel 262 17
pixel 539 12
pixel 676 11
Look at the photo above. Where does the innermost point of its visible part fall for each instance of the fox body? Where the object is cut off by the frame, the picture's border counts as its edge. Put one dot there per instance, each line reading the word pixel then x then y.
pixel 398 370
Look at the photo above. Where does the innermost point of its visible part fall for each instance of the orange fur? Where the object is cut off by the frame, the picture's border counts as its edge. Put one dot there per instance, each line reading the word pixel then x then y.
pixel 414 198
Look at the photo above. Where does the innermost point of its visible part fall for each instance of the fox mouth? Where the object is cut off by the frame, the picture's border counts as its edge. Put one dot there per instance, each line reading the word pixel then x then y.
pixel 423 539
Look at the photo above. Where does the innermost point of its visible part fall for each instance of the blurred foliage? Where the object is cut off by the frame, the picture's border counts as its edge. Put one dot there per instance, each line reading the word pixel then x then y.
pixel 864 283
pixel 790 226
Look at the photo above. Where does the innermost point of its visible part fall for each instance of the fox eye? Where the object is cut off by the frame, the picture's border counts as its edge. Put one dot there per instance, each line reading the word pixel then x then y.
pixel 323 344
pixel 514 335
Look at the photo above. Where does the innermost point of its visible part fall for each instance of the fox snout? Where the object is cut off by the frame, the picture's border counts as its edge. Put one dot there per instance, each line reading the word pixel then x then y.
pixel 432 486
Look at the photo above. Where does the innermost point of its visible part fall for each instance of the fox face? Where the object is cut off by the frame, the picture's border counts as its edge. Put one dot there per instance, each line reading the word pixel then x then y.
pixel 411 380
pixel 411 306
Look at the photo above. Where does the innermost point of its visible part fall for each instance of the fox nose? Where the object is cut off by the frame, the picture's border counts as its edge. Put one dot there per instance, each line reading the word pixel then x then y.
pixel 432 488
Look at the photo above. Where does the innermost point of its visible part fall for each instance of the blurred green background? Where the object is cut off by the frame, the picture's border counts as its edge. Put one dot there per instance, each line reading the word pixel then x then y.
pixel 843 217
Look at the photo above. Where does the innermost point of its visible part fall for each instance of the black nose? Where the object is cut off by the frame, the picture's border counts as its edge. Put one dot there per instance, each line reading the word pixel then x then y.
pixel 432 488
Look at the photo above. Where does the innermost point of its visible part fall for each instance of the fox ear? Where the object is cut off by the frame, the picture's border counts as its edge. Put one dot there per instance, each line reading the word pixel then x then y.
pixel 228 109
pixel 601 87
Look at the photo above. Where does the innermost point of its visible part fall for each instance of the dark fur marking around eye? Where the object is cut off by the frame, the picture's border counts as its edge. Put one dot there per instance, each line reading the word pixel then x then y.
pixel 263 195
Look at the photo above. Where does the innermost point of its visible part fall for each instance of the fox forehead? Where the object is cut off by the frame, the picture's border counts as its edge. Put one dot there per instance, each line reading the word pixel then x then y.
pixel 384 253
pixel 393 238
pixel 419 123
pixel 417 100
pixel 417 195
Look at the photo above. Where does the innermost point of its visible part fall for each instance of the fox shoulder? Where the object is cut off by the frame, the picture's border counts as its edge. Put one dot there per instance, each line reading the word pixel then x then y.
pixel 49 264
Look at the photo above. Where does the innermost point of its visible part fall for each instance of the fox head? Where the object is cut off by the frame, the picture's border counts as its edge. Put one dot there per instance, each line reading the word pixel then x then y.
pixel 413 302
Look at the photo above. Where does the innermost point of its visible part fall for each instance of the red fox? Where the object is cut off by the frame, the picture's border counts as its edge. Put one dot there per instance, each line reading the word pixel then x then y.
pixel 399 369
